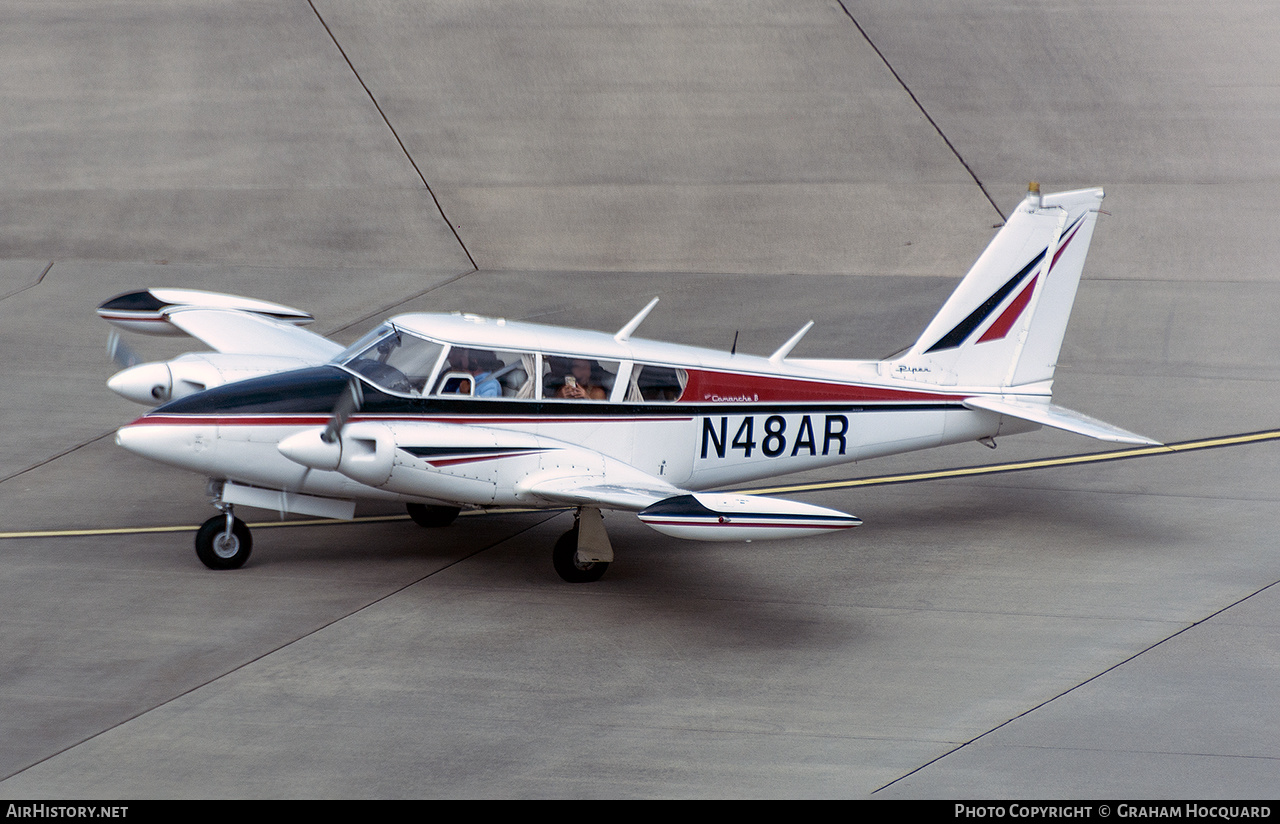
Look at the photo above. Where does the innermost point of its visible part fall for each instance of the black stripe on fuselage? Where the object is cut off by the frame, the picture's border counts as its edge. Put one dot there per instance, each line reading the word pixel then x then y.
pixel 315 391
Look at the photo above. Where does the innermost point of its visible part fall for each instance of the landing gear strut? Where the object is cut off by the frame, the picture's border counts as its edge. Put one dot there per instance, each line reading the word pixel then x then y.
pixel 223 541
pixel 582 554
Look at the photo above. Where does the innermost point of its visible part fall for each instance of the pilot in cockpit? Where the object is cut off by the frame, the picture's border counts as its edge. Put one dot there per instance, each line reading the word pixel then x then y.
pixel 480 365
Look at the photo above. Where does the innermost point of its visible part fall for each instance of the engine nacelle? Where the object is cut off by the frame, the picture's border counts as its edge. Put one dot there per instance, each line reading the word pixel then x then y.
pixel 156 383
pixel 163 381
pixel 363 452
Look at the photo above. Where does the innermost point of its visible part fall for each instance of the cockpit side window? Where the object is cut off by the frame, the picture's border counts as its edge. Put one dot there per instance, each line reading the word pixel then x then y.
pixel 488 373
pixel 395 360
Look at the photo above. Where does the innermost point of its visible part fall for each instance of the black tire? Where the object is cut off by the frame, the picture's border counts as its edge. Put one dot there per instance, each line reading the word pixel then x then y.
pixel 216 553
pixel 432 516
pixel 565 559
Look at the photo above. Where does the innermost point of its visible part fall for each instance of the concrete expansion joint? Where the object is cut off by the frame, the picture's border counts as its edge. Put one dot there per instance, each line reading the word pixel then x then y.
pixel 923 111
pixel 395 134
pixel 31 285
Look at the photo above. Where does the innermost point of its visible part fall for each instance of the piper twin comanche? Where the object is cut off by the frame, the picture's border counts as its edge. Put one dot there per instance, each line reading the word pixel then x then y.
pixel 445 411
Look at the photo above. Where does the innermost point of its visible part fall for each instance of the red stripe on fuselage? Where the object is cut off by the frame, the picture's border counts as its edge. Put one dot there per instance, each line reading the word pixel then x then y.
pixel 268 419
pixel 729 387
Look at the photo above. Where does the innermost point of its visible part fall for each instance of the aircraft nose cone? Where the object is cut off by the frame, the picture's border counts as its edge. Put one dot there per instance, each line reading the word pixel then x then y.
pixel 155 442
pixel 191 446
pixel 146 383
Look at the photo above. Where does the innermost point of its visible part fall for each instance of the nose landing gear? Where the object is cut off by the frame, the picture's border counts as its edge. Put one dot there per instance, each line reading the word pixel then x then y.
pixel 223 541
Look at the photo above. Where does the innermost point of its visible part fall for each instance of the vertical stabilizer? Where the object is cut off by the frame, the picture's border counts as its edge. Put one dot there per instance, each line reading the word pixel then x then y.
pixel 1003 326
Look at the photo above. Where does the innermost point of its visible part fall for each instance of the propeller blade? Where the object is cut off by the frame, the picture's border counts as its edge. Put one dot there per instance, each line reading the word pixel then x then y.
pixel 121 352
pixel 349 402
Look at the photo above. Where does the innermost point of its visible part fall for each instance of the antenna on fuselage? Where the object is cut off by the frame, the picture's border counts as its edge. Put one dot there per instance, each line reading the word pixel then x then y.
pixel 625 332
pixel 785 349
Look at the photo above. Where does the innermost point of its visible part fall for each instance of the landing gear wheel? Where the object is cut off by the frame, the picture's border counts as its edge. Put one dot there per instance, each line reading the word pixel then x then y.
pixel 565 559
pixel 218 550
pixel 432 516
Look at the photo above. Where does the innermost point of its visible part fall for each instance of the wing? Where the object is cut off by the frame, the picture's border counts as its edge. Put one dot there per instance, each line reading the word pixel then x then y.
pixel 482 465
pixel 698 516
pixel 226 323
pixel 234 332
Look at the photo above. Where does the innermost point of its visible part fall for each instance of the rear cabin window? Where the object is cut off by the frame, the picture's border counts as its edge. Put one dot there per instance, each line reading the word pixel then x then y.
pixel 656 384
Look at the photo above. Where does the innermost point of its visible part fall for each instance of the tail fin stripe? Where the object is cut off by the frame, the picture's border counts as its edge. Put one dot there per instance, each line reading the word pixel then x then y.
pixel 964 328
pixel 961 332
pixel 1010 315
pixel 999 329
pixel 1062 247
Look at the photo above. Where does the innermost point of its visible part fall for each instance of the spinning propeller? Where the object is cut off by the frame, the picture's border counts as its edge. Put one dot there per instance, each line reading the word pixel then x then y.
pixel 121 352
pixel 322 449
pixel 349 402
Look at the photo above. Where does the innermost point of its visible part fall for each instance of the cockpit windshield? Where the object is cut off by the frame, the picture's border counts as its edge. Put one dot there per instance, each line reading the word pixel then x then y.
pixel 393 359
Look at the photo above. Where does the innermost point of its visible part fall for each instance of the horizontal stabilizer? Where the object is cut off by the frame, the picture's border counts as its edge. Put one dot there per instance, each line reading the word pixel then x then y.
pixel 1059 417
pixel 722 516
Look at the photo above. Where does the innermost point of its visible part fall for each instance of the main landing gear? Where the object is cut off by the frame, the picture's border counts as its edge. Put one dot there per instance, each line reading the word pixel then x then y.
pixel 582 554
pixel 224 542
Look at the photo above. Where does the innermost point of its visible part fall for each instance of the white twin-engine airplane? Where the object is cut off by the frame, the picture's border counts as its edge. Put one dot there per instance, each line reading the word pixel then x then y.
pixel 444 411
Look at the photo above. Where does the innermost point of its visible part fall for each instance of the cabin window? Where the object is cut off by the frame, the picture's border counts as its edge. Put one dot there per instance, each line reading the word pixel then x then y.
pixel 488 373
pixel 656 384
pixel 578 379
pixel 393 359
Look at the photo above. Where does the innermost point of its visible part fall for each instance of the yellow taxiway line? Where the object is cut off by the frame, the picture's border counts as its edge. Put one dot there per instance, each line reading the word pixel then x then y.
pixel 879 480
pixel 142 530
pixel 1043 463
